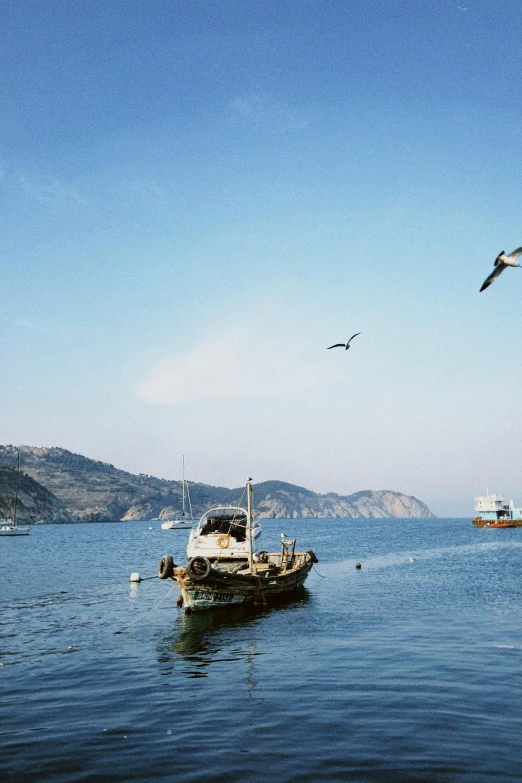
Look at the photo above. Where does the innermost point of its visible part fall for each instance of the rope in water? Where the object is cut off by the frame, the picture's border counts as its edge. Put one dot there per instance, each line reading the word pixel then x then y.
pixel 149 612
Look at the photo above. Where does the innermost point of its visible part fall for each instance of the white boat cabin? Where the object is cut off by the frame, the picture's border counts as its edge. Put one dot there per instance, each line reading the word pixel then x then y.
pixel 222 532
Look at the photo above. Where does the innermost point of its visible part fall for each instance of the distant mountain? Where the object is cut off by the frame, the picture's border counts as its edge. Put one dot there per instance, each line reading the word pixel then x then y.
pixel 85 490
pixel 278 499
pixel 27 498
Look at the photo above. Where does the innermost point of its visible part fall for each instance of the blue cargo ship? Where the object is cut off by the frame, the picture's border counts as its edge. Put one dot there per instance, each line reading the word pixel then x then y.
pixel 493 511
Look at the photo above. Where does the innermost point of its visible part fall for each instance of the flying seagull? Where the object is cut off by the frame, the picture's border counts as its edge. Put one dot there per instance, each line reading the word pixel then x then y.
pixel 347 345
pixel 502 261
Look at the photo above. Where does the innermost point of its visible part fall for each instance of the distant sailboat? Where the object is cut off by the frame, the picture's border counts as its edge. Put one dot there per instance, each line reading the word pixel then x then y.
pixel 13 528
pixel 183 523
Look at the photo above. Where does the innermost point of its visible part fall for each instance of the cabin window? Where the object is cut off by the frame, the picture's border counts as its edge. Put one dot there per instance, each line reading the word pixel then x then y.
pixel 225 525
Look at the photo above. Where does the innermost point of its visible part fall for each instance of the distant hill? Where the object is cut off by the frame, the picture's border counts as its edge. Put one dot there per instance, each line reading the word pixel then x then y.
pixel 85 490
pixel 278 499
pixel 27 498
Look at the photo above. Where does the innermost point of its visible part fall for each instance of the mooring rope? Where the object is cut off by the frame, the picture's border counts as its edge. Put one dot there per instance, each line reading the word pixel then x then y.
pixel 149 612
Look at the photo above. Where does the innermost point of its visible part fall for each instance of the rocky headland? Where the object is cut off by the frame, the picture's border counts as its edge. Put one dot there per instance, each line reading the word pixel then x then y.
pixel 23 498
pixel 55 485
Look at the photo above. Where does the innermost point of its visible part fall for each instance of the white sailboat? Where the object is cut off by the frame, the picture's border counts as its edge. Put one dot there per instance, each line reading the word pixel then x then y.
pixel 184 523
pixel 13 528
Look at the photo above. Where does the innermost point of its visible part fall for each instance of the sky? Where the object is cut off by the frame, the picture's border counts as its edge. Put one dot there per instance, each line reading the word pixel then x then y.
pixel 198 197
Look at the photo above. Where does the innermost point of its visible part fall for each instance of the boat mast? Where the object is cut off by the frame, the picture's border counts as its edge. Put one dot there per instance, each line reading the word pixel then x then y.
pixel 183 482
pixel 16 488
pixel 249 523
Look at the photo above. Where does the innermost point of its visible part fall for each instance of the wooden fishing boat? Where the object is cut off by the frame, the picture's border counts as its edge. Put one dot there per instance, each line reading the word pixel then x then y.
pixel 220 578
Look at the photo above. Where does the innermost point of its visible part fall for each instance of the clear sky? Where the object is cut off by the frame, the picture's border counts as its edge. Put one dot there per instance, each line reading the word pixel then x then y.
pixel 198 197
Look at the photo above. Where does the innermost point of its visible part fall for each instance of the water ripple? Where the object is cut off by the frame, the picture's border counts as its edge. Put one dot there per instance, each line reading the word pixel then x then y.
pixel 401 671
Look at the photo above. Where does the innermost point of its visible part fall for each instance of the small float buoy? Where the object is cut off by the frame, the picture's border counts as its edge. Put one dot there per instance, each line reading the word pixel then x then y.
pixel 357 565
pixel 135 577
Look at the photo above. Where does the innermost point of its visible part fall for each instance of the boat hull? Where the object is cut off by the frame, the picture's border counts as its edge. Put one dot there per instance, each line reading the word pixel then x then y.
pixel 196 599
pixel 14 530
pixel 485 523
pixel 222 588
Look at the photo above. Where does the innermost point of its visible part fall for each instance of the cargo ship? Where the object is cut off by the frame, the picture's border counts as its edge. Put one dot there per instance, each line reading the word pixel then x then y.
pixel 493 511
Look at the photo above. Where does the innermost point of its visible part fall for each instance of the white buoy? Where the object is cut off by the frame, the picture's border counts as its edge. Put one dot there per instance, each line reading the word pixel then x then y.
pixel 135 577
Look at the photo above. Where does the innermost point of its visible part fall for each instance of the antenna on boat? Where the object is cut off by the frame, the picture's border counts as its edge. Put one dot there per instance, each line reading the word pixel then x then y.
pixel 249 523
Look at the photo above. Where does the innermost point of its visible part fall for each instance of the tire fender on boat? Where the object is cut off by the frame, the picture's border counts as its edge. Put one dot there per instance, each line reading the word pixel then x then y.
pixel 166 567
pixel 223 541
pixel 198 568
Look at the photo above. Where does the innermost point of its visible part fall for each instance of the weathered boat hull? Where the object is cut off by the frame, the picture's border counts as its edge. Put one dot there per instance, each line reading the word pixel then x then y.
pixel 222 588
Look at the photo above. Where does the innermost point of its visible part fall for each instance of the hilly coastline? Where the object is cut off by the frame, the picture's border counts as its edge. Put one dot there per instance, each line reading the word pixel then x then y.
pixel 31 501
pixel 56 485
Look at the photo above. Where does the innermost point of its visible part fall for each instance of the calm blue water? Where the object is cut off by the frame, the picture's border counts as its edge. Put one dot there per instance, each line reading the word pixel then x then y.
pixel 398 672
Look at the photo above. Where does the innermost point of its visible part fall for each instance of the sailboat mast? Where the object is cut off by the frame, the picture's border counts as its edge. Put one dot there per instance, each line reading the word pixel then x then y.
pixel 16 488
pixel 249 524
pixel 183 481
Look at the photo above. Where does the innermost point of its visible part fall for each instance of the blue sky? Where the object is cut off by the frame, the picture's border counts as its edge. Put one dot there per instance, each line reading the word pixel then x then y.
pixel 198 198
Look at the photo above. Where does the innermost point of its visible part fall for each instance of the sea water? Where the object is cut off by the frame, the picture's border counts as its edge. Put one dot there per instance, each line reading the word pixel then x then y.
pixel 400 671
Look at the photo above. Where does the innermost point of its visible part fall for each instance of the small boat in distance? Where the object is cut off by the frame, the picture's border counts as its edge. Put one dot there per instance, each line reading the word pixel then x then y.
pixel 183 523
pixel 224 569
pixel 13 528
pixel 494 512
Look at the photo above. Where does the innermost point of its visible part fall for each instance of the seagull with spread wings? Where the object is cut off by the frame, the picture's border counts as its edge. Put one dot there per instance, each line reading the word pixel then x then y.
pixel 502 261
pixel 343 345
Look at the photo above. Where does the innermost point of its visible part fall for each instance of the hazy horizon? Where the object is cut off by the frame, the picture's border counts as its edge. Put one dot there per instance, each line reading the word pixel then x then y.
pixel 198 199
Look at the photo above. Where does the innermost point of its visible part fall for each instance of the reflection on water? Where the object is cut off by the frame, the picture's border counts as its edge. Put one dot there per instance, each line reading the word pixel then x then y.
pixel 204 638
